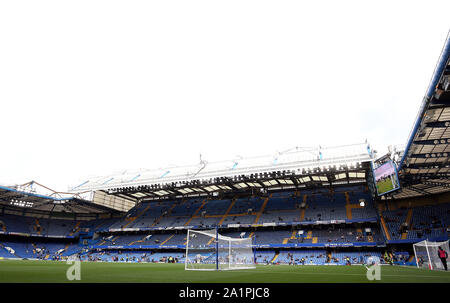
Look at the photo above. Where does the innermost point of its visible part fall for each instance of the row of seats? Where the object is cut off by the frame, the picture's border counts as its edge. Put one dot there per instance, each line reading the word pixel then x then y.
pixel 280 207
pixel 131 256
pixel 426 222
pixel 36 250
pixel 41 226
pixel 305 257
pixel 325 235
pixel 312 257
pixel 340 258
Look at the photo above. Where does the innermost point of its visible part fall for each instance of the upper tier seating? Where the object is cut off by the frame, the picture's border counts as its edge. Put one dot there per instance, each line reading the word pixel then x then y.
pixel 427 222
pixel 281 207
pixel 41 226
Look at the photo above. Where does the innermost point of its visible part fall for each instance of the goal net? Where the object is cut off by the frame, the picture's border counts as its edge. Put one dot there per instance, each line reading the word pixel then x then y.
pixel 427 255
pixel 208 250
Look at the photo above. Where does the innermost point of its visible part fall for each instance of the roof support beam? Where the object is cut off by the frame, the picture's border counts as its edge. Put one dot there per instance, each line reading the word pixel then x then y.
pixel 431 142
pixel 419 191
pixel 437 124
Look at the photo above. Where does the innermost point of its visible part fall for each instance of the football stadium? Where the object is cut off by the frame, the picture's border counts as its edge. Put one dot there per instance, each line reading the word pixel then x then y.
pixel 324 214
pixel 103 97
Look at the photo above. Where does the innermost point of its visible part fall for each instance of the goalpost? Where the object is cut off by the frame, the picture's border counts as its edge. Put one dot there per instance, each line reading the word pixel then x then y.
pixel 426 253
pixel 208 250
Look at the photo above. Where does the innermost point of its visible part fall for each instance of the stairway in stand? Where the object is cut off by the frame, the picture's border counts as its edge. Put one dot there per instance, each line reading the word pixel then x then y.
pixel 408 223
pixel 302 212
pixel 196 212
pixel 275 257
pixel 165 241
pixel 262 209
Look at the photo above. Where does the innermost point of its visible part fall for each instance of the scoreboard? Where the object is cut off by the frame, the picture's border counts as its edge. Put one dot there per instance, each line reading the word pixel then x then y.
pixel 386 177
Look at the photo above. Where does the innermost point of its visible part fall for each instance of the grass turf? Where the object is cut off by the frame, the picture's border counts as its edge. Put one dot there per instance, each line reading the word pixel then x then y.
pixel 92 272
pixel 384 186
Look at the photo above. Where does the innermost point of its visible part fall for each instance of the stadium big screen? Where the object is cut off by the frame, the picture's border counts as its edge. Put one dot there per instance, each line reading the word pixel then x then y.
pixel 386 178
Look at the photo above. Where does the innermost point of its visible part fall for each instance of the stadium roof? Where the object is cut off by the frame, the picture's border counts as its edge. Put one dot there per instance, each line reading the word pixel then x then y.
pixel 424 167
pixel 30 196
pixel 294 168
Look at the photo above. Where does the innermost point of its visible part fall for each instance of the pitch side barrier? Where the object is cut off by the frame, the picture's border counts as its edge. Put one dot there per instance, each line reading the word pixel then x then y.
pixel 257 246
pixel 271 224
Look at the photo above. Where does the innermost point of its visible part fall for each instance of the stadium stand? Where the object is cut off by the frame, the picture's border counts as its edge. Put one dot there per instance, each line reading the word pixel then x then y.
pixel 287 227
pixel 421 222
pixel 305 227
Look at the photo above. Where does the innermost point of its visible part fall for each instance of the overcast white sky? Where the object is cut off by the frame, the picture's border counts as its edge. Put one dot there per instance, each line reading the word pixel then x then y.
pixel 92 87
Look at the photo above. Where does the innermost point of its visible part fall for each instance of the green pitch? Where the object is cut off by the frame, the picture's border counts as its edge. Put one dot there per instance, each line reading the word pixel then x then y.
pixel 91 272
pixel 384 186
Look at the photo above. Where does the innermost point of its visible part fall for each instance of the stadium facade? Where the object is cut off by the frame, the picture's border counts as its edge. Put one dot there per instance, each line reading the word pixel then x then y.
pixel 301 206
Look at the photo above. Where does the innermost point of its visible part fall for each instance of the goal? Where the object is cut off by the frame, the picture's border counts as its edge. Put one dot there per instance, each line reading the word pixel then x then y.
pixel 427 254
pixel 208 250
